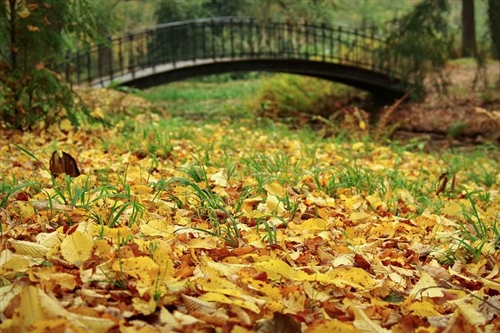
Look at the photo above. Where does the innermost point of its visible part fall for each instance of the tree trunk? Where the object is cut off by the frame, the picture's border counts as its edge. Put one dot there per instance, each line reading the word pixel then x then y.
pixel 494 23
pixel 469 28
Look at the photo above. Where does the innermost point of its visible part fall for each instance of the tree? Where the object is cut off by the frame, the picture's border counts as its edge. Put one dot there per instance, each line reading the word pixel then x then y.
pixel 494 25
pixel 33 36
pixel 419 44
pixel 468 29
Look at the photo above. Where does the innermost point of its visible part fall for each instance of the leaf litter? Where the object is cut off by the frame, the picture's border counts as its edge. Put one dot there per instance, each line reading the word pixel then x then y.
pixel 241 228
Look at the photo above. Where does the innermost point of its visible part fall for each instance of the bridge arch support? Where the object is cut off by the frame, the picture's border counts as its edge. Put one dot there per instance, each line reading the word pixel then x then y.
pixel 380 85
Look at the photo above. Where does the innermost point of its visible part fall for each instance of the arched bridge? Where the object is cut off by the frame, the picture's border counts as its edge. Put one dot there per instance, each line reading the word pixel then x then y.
pixel 175 51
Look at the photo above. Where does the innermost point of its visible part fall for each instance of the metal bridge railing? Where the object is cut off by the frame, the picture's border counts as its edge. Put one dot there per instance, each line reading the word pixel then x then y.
pixel 228 38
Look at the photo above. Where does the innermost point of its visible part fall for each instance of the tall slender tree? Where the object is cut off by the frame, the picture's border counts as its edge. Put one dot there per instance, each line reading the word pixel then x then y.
pixel 468 29
pixel 494 25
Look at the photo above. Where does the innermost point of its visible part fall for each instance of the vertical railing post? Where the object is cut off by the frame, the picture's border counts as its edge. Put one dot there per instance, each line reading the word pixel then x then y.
pixel 172 44
pixel 110 58
pixel 323 38
pixel 372 49
pixel 120 54
pixel 339 39
pixel 242 39
pixel 277 39
pixel 131 59
pixel 89 76
pixel 315 41
pixel 67 65
pixel 149 44
pixel 251 39
pixel 193 38
pixel 331 42
pixel 289 34
pixel 78 69
pixel 212 25
pixel 307 40
pixel 222 41
pixel 203 41
pixel 231 36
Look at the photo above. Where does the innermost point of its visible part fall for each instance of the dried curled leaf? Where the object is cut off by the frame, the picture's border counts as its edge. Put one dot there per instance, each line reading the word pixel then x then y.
pixel 65 164
pixel 194 304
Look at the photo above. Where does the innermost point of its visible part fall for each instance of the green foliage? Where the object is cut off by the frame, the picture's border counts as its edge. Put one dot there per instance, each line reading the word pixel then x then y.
pixel 419 43
pixel 179 10
pixel 287 95
pixel 32 47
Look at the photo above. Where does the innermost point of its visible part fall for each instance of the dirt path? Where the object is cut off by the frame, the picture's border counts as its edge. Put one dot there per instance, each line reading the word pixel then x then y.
pixel 466 115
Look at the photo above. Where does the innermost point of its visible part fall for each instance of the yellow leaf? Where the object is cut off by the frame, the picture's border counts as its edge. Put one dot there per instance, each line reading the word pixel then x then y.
pixel 23 14
pixel 97 113
pixel 276 189
pixel 65 280
pixel 220 178
pixel 29 310
pixel 375 201
pixel 218 284
pixel 49 240
pixel 314 224
pixel 32 28
pixel 277 269
pixel 224 269
pixel 143 306
pixel 263 287
pixel 65 125
pixel 295 301
pixel 77 247
pixel 358 146
pixel 351 276
pixel 362 125
pixel 144 269
pixel 363 323
pixel 274 205
pixel 204 243
pixel 141 189
pixel 426 287
pixel 333 326
pixel 452 208
pixel 52 325
pixel 29 248
pixel 164 262
pixel 423 309
pixel 239 329
pixel 360 217
pixel 217 297
pixel 53 309
pixel 25 209
pixel 472 315
pixel 315 198
pixel 7 293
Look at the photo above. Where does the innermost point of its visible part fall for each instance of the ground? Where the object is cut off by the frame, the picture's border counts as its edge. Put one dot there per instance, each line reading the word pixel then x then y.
pixel 466 115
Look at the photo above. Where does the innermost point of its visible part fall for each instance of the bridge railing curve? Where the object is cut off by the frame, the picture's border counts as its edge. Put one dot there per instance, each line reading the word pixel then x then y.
pixel 219 39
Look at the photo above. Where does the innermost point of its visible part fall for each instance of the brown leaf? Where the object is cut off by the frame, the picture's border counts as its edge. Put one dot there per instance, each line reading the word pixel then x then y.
pixel 361 262
pixel 65 164
pixel 281 323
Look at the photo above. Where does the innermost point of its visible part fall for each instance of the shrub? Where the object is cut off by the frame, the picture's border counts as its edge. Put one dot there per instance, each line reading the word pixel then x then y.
pixel 33 37
pixel 286 95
